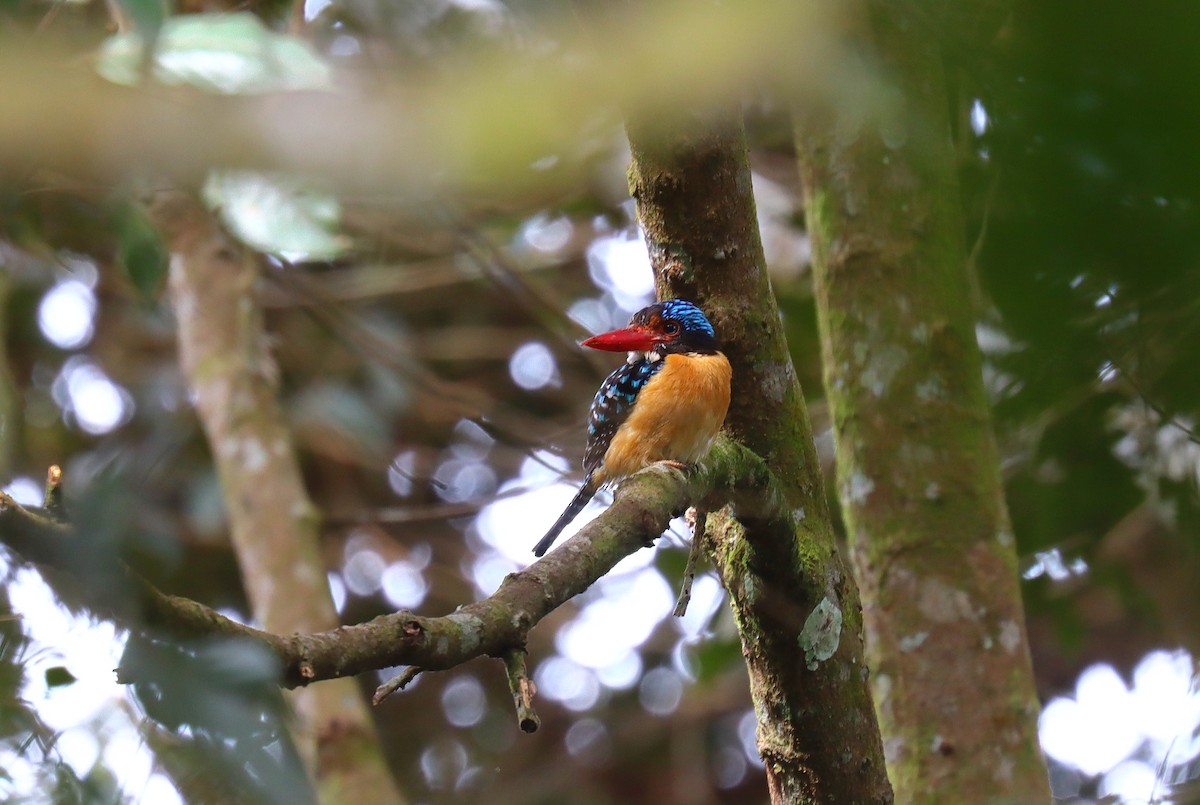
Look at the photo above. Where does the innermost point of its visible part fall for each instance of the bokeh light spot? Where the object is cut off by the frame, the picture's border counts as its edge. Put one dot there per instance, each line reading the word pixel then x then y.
pixel 1092 731
pixel 623 673
pixel 563 681
pixel 363 572
pixel 620 265
pixel 97 404
pixel 547 235
pixel 460 481
pixel 729 766
pixel 25 491
pixel 400 473
pixel 66 313
pixel 464 701
pixel 471 441
pixel 589 741
pixel 747 733
pixel 661 691
pixel 443 764
pixel 404 585
pixel 532 366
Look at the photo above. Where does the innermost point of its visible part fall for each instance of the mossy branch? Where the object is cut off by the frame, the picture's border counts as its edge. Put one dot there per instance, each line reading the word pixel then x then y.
pixel 496 626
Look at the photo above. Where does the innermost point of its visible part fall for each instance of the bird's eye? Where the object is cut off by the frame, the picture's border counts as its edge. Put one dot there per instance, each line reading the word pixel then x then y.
pixel 671 328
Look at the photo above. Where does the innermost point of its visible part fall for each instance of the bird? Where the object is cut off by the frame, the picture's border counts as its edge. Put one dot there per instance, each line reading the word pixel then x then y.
pixel 665 404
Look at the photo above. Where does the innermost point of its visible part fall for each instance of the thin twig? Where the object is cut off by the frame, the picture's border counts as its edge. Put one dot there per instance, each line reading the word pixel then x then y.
pixel 398 682
pixel 522 688
pixel 699 519
pixel 1166 418
pixel 53 500
pixel 507 276
pixel 506 424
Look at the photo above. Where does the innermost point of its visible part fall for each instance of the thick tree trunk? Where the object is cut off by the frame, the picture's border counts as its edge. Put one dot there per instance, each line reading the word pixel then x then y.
pixel 275 527
pixel 918 472
pixel 796 605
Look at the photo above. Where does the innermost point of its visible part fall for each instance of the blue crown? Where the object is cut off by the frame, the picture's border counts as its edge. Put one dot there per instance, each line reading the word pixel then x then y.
pixel 691 317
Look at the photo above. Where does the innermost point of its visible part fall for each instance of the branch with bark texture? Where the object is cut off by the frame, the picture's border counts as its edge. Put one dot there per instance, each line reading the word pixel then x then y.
pixel 273 524
pixel 495 627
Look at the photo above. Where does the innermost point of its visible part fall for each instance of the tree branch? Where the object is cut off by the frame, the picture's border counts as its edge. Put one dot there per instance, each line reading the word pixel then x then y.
pixel 522 689
pixel 399 682
pixel 699 519
pixel 494 626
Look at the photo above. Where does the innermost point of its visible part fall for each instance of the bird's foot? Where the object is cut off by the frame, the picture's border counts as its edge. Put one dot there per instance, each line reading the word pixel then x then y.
pixel 675 465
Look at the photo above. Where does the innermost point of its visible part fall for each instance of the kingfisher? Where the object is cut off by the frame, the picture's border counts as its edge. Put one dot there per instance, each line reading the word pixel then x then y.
pixel 665 404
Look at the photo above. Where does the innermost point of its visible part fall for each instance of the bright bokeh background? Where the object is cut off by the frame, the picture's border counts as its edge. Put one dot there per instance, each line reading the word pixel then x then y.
pixel 1079 195
pixel 1132 735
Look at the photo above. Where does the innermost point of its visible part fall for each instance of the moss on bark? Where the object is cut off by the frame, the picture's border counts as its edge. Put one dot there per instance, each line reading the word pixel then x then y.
pixel 816 728
pixel 918 471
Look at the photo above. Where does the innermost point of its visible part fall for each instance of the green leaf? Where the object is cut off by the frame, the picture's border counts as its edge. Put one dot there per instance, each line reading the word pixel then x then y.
pixel 147 15
pixel 277 214
pixel 672 563
pixel 58 676
pixel 225 53
pixel 715 656
pixel 141 253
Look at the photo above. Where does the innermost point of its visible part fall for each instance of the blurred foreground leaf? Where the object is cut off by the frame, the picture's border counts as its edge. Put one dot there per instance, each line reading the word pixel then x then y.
pixel 277 214
pixel 225 53
pixel 223 717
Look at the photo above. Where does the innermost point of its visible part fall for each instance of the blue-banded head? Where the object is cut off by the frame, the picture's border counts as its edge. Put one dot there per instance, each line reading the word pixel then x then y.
pixel 673 326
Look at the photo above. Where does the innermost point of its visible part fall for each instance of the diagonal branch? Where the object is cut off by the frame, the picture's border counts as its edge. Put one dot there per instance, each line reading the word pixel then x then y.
pixel 494 626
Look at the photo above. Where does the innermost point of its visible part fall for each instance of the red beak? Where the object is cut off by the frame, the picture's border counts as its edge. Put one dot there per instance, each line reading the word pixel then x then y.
pixel 631 339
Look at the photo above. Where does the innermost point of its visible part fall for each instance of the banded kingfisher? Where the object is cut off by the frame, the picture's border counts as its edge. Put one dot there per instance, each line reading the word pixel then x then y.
pixel 664 405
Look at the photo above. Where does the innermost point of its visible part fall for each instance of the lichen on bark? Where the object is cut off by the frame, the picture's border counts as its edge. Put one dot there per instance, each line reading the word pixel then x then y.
pixel 918 470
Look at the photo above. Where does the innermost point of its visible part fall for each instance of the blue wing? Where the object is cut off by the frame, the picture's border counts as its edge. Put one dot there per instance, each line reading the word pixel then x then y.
pixel 612 405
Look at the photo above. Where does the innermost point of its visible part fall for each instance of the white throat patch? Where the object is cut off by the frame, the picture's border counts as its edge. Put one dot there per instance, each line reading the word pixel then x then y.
pixel 651 356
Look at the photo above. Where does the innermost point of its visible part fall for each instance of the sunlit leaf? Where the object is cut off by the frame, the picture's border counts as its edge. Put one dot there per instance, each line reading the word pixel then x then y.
pixel 226 53
pixel 277 214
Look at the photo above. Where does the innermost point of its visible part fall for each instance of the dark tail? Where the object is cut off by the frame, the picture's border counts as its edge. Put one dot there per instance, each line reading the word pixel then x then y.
pixel 585 493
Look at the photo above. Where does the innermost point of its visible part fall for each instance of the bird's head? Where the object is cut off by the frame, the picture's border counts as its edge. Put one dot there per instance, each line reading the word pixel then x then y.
pixel 674 326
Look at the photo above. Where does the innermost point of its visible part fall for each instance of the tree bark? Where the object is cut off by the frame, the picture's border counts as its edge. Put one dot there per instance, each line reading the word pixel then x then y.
pixel 796 606
pixel 918 470
pixel 275 527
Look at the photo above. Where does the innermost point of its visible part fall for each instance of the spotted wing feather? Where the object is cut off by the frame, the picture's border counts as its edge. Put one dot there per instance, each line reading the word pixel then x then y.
pixel 612 405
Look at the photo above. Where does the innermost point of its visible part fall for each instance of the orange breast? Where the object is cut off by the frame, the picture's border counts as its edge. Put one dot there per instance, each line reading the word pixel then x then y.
pixel 676 416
